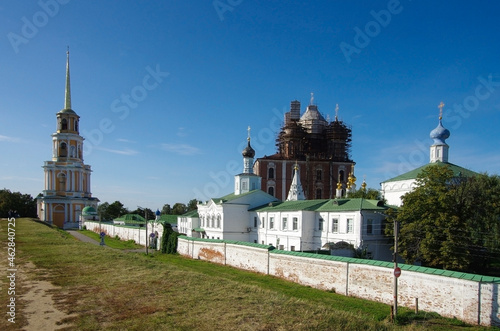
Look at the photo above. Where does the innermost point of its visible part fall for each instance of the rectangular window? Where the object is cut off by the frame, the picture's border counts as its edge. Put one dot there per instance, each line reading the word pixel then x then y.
pixel 382 226
pixel 350 226
pixel 292 248
pixel 271 222
pixel 255 221
pixel 295 223
pixel 369 227
pixel 263 222
pixel 318 175
pixel 284 223
pixel 320 225
pixel 335 225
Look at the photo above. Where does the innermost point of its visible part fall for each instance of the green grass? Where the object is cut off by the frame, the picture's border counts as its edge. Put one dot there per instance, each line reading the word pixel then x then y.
pixel 112 242
pixel 117 290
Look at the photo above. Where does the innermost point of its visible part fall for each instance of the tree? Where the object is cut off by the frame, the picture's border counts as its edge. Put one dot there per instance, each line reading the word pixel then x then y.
pixel 450 222
pixel 23 204
pixel 141 211
pixel 166 210
pixel 192 205
pixel 370 193
pixel 169 240
pixel 115 210
pixel 102 210
pixel 179 209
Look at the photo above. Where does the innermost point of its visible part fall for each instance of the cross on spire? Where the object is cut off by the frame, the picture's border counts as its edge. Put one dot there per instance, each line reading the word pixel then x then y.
pixel 312 99
pixel 248 133
pixel 336 111
pixel 441 105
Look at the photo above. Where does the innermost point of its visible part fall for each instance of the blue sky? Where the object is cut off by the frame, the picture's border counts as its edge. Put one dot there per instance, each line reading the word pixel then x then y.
pixel 167 89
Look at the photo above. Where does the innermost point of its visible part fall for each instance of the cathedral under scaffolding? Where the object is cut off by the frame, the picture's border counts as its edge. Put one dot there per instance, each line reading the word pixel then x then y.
pixel 322 150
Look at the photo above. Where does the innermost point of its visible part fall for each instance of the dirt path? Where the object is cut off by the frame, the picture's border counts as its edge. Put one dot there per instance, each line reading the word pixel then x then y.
pixel 40 307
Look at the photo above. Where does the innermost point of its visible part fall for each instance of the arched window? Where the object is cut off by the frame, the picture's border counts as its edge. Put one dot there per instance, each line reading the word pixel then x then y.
pixel 63 150
pixel 270 174
pixel 270 191
pixel 341 175
pixel 218 221
pixel 76 125
pixel 64 124
pixel 61 178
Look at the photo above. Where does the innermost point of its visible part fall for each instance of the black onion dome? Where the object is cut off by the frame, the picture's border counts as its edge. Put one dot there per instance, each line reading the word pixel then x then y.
pixel 248 151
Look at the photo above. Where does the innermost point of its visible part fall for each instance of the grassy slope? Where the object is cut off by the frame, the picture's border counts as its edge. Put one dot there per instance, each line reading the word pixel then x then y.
pixel 114 290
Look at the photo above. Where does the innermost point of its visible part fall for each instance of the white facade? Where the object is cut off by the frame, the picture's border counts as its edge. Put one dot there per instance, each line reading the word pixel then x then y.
pixel 394 190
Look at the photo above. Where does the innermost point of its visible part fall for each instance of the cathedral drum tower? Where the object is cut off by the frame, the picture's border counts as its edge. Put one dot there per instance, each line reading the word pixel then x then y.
pixel 67 179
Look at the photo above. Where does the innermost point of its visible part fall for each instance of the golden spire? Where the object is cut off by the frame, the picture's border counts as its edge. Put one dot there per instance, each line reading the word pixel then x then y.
pixel 441 105
pixel 67 94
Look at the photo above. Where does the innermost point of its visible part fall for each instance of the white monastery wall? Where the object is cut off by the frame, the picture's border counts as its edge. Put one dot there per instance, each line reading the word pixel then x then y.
pixel 470 298
pixel 472 301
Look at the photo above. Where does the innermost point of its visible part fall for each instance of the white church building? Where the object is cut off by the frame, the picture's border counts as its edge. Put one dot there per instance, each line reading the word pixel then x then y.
pixel 393 189
pixel 251 215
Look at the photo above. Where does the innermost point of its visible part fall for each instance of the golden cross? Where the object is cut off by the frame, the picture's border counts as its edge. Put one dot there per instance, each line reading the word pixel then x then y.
pixel 441 105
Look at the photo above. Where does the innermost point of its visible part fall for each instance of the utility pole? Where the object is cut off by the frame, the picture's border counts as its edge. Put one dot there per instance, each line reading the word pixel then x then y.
pixel 146 224
pixel 397 271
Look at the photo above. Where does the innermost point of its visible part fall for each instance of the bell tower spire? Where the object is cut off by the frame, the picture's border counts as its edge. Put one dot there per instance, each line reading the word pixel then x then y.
pixel 67 92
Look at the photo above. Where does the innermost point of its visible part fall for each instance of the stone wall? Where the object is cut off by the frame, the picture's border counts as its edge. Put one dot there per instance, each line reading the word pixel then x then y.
pixel 470 298
pixel 124 232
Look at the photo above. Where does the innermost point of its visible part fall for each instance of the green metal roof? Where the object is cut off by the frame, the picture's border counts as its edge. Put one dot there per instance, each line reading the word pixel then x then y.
pixel 324 205
pixel 231 197
pixel 192 213
pixel 172 219
pixel 310 205
pixel 352 205
pixel 89 211
pixel 457 171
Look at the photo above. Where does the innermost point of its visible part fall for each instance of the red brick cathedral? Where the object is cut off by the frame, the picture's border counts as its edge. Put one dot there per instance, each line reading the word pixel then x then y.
pixel 319 148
